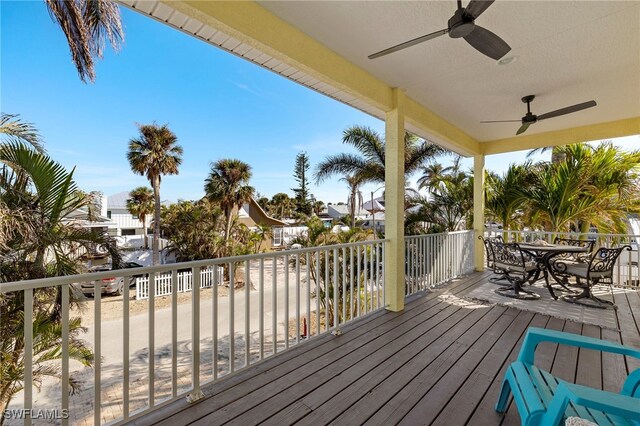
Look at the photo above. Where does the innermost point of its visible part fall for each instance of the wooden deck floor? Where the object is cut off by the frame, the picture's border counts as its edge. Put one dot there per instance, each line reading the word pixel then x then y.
pixel 440 361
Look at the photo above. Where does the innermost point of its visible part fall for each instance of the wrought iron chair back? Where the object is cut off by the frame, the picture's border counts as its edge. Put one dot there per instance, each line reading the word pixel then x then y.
pixel 489 249
pixel 510 258
pixel 577 257
pixel 602 263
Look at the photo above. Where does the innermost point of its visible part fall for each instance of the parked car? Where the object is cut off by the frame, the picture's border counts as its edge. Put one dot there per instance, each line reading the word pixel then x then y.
pixel 110 285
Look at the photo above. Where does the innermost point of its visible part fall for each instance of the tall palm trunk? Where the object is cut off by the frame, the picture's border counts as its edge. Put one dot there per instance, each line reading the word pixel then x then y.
pixel 143 218
pixel 156 220
pixel 352 209
pixel 227 228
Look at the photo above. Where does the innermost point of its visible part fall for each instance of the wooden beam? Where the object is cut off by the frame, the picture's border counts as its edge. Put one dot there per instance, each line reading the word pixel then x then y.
pixel 592 132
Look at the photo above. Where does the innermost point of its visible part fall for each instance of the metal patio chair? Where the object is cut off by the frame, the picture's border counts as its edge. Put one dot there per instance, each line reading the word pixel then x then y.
pixel 517 266
pixel 599 270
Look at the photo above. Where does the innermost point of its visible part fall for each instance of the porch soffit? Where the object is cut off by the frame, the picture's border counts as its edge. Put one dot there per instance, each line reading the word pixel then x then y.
pixel 280 37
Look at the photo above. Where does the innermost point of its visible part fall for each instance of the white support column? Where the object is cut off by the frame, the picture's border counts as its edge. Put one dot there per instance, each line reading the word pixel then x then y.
pixel 394 204
pixel 478 211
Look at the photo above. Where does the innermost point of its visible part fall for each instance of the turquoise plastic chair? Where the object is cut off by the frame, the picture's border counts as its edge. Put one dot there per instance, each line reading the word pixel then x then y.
pixel 543 399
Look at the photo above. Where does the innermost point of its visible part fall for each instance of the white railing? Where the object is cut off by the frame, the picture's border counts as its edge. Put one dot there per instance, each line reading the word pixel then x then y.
pixel 433 259
pixel 164 282
pixel 152 351
pixel 626 271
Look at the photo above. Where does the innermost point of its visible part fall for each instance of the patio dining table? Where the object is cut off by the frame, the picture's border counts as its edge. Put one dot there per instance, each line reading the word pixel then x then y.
pixel 543 255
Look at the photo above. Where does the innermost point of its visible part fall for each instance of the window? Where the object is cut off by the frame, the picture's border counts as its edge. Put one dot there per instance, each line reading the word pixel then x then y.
pixel 128 232
pixel 109 214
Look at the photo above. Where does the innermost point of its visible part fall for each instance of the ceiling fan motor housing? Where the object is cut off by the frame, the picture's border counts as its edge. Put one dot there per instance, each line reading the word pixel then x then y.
pixel 460 24
pixel 529 118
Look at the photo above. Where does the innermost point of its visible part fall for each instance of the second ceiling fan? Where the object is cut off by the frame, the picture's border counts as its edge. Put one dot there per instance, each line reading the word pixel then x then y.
pixel 462 25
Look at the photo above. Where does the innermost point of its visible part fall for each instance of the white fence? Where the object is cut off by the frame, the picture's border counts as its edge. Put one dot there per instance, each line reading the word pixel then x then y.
pixel 283 235
pixel 164 282
pixel 433 259
pixel 626 271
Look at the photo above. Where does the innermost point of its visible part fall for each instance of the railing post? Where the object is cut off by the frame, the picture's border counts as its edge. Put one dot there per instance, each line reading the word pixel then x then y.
pixel 394 204
pixel 28 353
pixel 196 393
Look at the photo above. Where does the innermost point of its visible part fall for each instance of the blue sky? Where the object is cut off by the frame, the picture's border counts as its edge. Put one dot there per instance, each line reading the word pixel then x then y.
pixel 219 106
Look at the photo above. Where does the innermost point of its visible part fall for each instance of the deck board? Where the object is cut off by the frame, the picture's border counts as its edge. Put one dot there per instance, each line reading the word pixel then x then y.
pixel 437 362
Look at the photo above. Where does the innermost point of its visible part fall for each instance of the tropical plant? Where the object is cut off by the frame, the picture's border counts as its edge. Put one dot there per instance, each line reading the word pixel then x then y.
pixel 590 186
pixel 300 174
pixel 154 153
pixel 318 206
pixel 13 129
pixel 228 185
pixel 47 344
pixel 432 175
pixel 448 206
pixel 327 265
pixel 194 229
pixel 87 25
pixel 36 193
pixel 369 164
pixel 140 203
pixel 505 200
pixel 259 235
pixel 281 206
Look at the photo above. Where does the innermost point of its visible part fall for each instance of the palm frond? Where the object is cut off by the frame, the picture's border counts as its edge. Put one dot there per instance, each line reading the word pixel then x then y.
pixel 16 131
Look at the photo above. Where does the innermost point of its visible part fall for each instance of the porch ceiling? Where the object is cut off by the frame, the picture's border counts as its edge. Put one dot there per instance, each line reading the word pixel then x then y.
pixel 566 52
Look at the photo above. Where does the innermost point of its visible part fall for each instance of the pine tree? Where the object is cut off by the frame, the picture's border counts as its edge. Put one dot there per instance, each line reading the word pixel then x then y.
pixel 303 204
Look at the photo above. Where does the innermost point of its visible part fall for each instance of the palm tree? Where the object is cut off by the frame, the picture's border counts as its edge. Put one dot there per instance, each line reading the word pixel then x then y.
pixel 449 204
pixel 140 204
pixel 355 196
pixel 317 207
pixel 282 205
pixel 369 165
pixel 228 185
pixel 505 199
pixel 14 129
pixel 153 154
pixel 590 186
pixel 87 25
pixel 433 173
pixel 44 245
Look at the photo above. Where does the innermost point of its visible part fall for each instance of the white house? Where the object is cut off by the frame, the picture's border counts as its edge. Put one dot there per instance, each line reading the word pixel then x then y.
pixel 126 223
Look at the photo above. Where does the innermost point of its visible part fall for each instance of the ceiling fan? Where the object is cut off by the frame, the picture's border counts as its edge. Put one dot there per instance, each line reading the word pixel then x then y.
pixel 462 24
pixel 530 118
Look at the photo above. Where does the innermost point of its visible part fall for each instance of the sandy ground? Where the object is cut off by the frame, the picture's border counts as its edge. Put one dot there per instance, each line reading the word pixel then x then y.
pixel 112 306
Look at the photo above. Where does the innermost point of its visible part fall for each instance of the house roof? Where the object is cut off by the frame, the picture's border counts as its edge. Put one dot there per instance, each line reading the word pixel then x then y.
pixel 119 200
pixel 342 210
